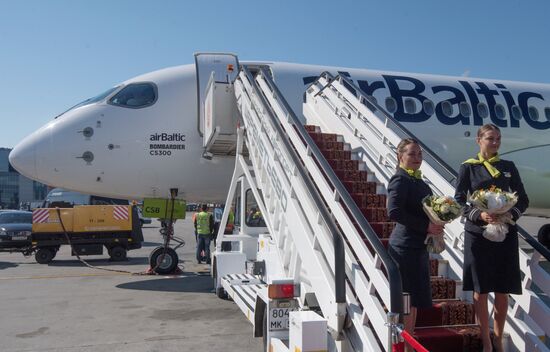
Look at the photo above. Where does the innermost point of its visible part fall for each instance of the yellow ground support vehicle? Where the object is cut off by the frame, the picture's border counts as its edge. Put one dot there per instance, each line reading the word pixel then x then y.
pixel 88 228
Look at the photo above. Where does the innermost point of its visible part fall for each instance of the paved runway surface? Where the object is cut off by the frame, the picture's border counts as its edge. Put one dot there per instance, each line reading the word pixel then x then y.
pixel 67 307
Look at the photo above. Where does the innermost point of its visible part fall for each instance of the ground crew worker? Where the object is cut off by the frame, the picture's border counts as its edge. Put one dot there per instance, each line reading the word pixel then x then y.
pixel 194 219
pixel 255 218
pixel 226 246
pixel 230 222
pixel 204 225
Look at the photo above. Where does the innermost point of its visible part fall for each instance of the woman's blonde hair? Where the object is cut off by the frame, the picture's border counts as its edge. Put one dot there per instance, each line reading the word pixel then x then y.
pixel 402 146
pixel 486 128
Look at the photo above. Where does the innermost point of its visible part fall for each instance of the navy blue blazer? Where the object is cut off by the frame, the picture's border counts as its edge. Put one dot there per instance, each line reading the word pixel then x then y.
pixel 472 177
pixel 405 194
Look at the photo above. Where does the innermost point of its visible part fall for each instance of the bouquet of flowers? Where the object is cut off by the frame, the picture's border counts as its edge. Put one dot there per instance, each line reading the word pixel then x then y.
pixel 495 202
pixel 441 210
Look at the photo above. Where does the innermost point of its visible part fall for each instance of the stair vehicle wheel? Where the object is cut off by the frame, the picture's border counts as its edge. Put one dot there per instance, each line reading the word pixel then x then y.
pixel 54 252
pixel 117 253
pixel 220 292
pixel 169 262
pixel 44 255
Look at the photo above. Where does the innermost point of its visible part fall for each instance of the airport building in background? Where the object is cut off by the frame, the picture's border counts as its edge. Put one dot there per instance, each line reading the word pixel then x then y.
pixel 16 188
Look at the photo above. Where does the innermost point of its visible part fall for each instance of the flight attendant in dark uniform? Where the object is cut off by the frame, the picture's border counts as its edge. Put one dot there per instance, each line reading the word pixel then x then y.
pixel 405 193
pixel 490 266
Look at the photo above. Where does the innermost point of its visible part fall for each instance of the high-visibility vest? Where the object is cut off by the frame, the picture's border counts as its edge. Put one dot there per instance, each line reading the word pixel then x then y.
pixel 230 222
pixel 203 223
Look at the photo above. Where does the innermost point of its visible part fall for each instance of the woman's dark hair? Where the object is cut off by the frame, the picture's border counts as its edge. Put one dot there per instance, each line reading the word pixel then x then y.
pixel 402 146
pixel 486 128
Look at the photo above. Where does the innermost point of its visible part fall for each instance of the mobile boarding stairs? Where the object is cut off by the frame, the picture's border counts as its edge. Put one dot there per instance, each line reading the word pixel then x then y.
pixel 319 267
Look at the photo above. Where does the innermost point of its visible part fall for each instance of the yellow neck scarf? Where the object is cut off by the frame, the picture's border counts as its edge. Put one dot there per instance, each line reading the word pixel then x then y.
pixel 487 163
pixel 413 173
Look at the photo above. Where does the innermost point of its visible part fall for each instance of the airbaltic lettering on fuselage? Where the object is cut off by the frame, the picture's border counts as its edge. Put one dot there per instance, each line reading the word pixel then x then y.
pixel 165 149
pixel 472 93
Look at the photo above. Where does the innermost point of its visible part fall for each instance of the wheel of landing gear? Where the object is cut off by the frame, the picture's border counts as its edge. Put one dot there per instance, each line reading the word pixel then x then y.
pixel 117 253
pixel 544 235
pixel 168 263
pixel 44 255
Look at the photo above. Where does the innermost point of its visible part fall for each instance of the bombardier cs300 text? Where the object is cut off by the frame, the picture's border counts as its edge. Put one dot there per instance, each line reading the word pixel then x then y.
pixel 144 136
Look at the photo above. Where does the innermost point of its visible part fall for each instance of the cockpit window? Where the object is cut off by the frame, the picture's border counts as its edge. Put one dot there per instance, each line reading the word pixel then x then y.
pixel 135 95
pixel 89 101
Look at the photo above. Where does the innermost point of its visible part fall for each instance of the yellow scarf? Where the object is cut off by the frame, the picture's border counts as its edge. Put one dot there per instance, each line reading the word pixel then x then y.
pixel 487 163
pixel 413 173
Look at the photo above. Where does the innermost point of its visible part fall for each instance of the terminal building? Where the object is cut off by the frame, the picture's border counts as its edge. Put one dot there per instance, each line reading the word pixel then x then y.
pixel 16 189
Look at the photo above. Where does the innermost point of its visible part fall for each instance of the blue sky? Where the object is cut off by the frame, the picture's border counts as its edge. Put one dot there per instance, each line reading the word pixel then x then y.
pixel 56 53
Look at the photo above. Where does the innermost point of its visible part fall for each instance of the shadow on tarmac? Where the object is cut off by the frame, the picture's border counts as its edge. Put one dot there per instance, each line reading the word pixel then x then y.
pixel 100 262
pixel 190 282
pixel 151 244
pixel 5 265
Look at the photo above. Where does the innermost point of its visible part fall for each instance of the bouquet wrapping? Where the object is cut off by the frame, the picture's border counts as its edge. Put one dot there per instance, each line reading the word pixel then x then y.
pixel 441 210
pixel 495 202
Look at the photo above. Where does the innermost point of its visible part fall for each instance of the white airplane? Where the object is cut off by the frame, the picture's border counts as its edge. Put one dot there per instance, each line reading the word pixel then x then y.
pixel 144 136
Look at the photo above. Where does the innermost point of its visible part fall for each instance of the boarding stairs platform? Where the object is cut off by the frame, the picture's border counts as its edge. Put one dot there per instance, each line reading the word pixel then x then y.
pixel 321 187
pixel 337 105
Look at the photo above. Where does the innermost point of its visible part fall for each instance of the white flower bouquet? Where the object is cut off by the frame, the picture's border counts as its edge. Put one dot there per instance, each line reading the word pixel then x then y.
pixel 441 210
pixel 495 202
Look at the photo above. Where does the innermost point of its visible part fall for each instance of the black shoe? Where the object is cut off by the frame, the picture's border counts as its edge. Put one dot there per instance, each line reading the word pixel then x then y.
pixel 208 262
pixel 199 262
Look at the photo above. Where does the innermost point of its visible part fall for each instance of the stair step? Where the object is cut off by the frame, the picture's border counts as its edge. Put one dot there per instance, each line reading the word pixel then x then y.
pixel 359 186
pixel 375 214
pixel 383 229
pixel 442 287
pixel 446 312
pixel 325 137
pixel 330 145
pixel 312 128
pixel 336 154
pixel 369 200
pixel 353 175
pixel 450 338
pixel 343 165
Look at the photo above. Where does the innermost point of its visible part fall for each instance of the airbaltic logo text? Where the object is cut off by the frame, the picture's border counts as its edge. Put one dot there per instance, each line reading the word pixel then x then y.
pixel 167 137
pixel 466 102
pixel 165 149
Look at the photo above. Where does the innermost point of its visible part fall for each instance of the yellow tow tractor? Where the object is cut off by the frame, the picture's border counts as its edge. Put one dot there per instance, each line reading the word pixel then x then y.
pixel 87 229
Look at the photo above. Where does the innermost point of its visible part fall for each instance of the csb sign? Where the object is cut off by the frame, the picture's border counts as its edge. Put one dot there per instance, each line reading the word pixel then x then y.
pixel 161 208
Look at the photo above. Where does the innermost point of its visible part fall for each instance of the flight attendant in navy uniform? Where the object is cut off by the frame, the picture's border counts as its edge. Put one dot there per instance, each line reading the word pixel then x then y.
pixel 406 190
pixel 490 266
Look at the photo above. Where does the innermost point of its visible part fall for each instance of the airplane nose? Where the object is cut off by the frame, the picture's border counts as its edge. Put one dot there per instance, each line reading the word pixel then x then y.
pixel 23 159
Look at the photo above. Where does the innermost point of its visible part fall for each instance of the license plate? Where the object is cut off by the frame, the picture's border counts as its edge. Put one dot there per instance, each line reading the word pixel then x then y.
pixel 279 318
pixel 18 238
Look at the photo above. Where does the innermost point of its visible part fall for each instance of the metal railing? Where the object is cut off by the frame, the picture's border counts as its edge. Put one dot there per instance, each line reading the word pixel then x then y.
pixel 339 254
pixel 446 171
pixel 393 274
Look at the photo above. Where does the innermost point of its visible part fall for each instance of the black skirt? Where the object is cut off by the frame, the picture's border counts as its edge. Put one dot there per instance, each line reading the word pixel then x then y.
pixel 414 266
pixel 491 266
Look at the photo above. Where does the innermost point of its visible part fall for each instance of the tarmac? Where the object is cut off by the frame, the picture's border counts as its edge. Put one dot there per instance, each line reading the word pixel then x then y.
pixel 67 307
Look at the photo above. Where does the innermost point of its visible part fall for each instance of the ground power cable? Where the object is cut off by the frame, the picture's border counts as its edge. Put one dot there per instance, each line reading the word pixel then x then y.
pixel 147 272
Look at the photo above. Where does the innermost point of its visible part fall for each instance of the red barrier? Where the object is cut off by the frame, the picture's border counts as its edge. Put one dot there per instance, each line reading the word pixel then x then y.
pixel 411 341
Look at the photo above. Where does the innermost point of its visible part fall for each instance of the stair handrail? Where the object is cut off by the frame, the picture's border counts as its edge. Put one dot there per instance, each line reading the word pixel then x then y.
pixel 374 106
pixel 339 253
pixel 393 274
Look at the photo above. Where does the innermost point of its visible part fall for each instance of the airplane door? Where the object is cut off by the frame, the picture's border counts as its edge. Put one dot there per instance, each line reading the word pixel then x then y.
pixel 222 67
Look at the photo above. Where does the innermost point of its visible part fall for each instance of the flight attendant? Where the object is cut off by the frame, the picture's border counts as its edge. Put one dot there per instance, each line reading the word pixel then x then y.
pixel 406 190
pixel 490 266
